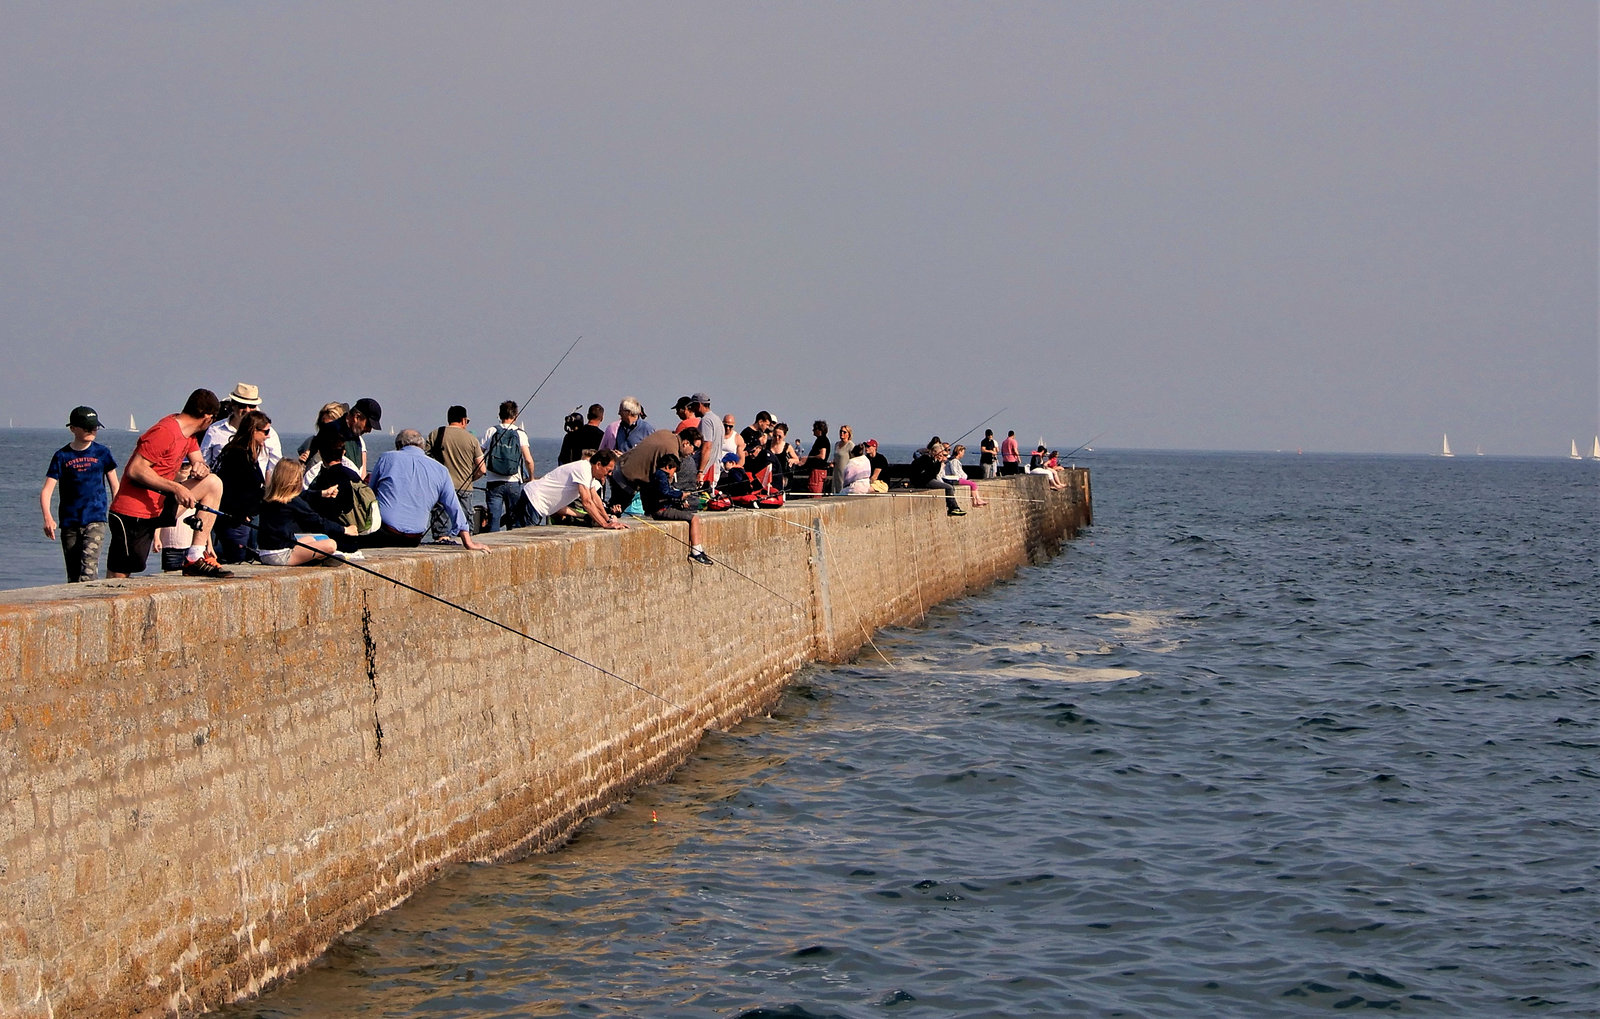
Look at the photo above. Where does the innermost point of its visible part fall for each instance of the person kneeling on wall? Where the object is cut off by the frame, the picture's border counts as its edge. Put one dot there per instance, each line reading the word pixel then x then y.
pixel 547 499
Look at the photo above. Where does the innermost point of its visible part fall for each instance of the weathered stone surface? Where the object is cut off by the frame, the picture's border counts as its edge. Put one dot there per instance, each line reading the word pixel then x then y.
pixel 203 783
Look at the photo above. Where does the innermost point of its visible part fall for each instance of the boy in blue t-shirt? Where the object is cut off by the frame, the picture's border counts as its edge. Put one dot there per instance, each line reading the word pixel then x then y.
pixel 84 469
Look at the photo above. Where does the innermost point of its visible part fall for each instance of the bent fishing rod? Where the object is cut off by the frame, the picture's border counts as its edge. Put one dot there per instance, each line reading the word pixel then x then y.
pixel 459 608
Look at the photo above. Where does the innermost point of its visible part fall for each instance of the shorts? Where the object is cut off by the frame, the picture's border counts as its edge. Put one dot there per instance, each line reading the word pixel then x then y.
pixel 274 556
pixel 80 546
pixel 673 513
pixel 131 539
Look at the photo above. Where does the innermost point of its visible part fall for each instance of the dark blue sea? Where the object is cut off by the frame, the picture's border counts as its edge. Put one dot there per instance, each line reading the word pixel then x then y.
pixel 1279 735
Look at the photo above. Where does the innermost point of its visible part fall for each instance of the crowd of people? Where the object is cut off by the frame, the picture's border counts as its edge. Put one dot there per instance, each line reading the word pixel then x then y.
pixel 211 487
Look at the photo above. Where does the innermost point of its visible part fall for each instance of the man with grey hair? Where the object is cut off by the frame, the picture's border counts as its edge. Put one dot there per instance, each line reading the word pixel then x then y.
pixel 409 484
pixel 629 429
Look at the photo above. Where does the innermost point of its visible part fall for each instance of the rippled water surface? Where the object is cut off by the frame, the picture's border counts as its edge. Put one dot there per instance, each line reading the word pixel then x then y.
pixel 1278 735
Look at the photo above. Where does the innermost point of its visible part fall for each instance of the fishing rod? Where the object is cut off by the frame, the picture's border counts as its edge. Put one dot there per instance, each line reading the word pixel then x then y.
pixel 460 608
pixel 979 425
pixel 524 405
pixel 1084 445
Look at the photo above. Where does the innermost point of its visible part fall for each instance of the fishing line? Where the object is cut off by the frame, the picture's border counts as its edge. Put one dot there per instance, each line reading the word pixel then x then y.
pixel 524 406
pixel 476 615
pixel 985 421
pixel 1078 448
pixel 794 605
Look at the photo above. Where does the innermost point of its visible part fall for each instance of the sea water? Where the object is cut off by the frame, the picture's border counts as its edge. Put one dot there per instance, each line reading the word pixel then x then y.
pixel 1279 735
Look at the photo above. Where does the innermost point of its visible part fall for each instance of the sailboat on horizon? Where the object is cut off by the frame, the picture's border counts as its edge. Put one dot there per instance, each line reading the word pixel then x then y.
pixel 131 426
pixel 1596 454
pixel 1574 455
pixel 1446 450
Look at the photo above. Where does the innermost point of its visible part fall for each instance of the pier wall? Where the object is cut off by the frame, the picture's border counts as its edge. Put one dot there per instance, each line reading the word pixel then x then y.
pixel 203 783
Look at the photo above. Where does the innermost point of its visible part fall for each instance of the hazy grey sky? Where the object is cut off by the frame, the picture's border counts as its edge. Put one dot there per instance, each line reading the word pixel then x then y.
pixel 1335 226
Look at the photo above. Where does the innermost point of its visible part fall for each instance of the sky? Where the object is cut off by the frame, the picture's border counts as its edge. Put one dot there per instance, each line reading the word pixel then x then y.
pixel 1266 225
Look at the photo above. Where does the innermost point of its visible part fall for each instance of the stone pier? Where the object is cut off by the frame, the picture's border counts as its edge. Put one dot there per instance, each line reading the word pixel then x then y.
pixel 202 783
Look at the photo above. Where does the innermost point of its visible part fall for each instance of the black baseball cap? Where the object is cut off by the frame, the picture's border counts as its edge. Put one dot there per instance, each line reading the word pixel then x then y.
pixel 369 407
pixel 85 418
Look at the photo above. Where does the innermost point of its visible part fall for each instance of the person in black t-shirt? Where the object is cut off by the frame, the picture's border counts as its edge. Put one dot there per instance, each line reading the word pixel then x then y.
pixel 584 438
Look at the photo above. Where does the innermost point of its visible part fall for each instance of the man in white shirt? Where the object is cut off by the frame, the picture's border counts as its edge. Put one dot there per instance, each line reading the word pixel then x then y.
pixel 579 481
pixel 244 397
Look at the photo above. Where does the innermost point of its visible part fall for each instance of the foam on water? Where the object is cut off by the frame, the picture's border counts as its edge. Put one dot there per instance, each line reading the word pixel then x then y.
pixel 1064 674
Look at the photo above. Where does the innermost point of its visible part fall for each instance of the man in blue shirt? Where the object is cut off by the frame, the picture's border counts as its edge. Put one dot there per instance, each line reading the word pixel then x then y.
pixel 409 484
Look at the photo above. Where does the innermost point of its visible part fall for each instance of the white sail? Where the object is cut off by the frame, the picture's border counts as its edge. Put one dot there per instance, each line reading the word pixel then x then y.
pixel 1596 454
pixel 1574 455
pixel 131 426
pixel 1446 450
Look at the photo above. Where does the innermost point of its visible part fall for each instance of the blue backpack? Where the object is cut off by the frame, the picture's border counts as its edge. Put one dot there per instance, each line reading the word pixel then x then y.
pixel 505 452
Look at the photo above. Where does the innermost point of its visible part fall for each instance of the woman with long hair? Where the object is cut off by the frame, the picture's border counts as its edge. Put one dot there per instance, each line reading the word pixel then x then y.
pixel 952 472
pixel 241 468
pixel 292 532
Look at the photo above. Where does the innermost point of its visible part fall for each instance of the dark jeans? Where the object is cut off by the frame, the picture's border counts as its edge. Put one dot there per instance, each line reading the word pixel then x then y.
pixel 949 493
pixel 232 543
pixel 440 524
pixel 504 498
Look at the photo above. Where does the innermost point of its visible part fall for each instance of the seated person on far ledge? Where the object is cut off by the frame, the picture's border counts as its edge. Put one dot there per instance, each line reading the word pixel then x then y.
pixel 409 484
pixel 880 465
pixel 857 478
pixel 546 499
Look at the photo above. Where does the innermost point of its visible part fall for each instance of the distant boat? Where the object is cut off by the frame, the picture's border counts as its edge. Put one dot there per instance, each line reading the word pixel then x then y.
pixel 1574 455
pixel 1480 451
pixel 131 426
pixel 1596 454
pixel 1446 450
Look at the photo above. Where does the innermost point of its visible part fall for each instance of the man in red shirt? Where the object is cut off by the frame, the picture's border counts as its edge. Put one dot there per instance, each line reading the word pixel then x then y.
pixel 152 491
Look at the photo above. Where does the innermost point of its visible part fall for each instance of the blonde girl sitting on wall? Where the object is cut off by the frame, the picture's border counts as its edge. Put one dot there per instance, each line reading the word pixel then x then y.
pixel 292 532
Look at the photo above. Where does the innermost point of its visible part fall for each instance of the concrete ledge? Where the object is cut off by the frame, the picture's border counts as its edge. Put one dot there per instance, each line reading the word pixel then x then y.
pixel 204 783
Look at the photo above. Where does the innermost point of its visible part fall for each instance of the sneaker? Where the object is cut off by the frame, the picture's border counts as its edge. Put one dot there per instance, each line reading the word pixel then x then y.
pixel 701 558
pixel 957 512
pixel 206 566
